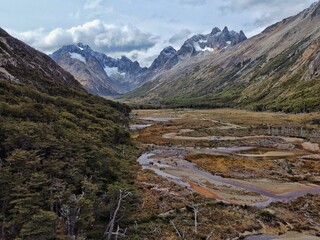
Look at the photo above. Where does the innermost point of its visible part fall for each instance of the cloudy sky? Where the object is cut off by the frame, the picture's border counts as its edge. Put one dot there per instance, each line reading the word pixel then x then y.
pixel 139 29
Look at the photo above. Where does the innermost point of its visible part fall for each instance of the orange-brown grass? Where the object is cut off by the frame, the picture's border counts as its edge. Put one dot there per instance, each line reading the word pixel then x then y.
pixel 233 167
pixel 153 135
pixel 308 166
pixel 202 190
pixel 227 221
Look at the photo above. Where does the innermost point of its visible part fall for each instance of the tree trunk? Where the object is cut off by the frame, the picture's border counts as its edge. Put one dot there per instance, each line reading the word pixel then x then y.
pixel 109 229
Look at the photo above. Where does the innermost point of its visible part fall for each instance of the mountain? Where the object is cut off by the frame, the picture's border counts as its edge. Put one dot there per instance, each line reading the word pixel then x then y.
pixel 106 76
pixel 62 150
pixel 98 73
pixel 166 59
pixel 211 42
pixel 276 70
pixel 77 59
pixel 20 63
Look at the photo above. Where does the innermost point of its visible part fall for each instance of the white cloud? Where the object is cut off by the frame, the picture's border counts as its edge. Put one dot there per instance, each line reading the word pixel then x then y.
pixel 265 12
pixel 99 35
pixel 180 37
pixel 92 4
pixel 193 2
pixel 255 31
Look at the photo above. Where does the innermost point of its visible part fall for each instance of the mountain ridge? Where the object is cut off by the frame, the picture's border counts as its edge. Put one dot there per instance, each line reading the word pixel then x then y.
pixel 270 71
pixel 17 65
pixel 107 76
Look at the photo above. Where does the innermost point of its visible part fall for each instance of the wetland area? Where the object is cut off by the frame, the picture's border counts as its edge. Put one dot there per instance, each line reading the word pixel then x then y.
pixel 247 175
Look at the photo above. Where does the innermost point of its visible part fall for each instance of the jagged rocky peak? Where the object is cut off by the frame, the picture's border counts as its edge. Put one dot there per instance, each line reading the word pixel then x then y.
pixel 242 36
pixel 215 40
pixel 225 30
pixel 75 51
pixel 163 60
pixel 168 50
pixel 126 65
pixel 215 31
pixel 82 46
pixel 197 44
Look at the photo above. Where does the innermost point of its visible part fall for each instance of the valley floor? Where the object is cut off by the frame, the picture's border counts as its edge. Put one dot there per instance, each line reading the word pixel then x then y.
pixel 228 174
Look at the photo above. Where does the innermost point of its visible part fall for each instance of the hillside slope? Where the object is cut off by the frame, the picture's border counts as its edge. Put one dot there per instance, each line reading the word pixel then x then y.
pixel 275 70
pixel 62 150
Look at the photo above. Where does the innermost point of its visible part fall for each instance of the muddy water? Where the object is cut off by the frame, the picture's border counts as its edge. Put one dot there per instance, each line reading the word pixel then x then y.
pixel 249 152
pixel 261 237
pixel 135 127
pixel 148 163
pixel 183 173
pixel 226 138
pixel 153 119
pixel 308 146
pixel 259 192
pixel 286 236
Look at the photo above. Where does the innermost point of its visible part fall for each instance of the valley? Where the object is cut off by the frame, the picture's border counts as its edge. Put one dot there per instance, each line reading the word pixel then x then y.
pixel 254 167
pixel 126 120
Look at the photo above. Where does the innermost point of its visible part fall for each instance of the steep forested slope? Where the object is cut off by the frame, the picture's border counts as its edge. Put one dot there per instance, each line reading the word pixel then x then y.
pixel 64 154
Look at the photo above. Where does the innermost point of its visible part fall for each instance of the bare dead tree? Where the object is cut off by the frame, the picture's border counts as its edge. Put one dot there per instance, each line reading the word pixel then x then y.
pixel 195 209
pixel 136 226
pixel 210 235
pixel 109 229
pixel 72 214
pixel 118 233
pixel 177 230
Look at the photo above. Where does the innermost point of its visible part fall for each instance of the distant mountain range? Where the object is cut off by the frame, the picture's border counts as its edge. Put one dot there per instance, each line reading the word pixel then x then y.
pixel 106 76
pixel 278 69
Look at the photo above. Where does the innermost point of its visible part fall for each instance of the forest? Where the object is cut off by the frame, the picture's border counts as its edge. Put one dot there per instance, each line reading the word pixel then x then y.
pixel 64 164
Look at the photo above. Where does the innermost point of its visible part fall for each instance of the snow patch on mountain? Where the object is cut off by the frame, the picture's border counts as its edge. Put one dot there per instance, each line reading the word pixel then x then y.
pixel 77 56
pixel 113 71
pixel 200 49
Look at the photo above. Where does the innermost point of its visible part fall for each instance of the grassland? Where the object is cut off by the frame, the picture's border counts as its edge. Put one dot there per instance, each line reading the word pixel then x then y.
pixel 165 205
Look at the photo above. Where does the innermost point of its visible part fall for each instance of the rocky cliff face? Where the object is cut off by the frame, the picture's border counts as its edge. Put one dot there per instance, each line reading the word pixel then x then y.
pixel 22 64
pixel 275 70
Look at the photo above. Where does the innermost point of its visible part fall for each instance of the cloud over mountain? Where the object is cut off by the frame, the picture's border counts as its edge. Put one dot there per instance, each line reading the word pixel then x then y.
pixel 180 36
pixel 96 33
pixel 264 12
pixel 193 2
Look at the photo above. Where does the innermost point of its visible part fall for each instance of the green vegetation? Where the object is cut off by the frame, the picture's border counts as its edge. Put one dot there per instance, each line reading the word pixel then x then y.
pixel 64 156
